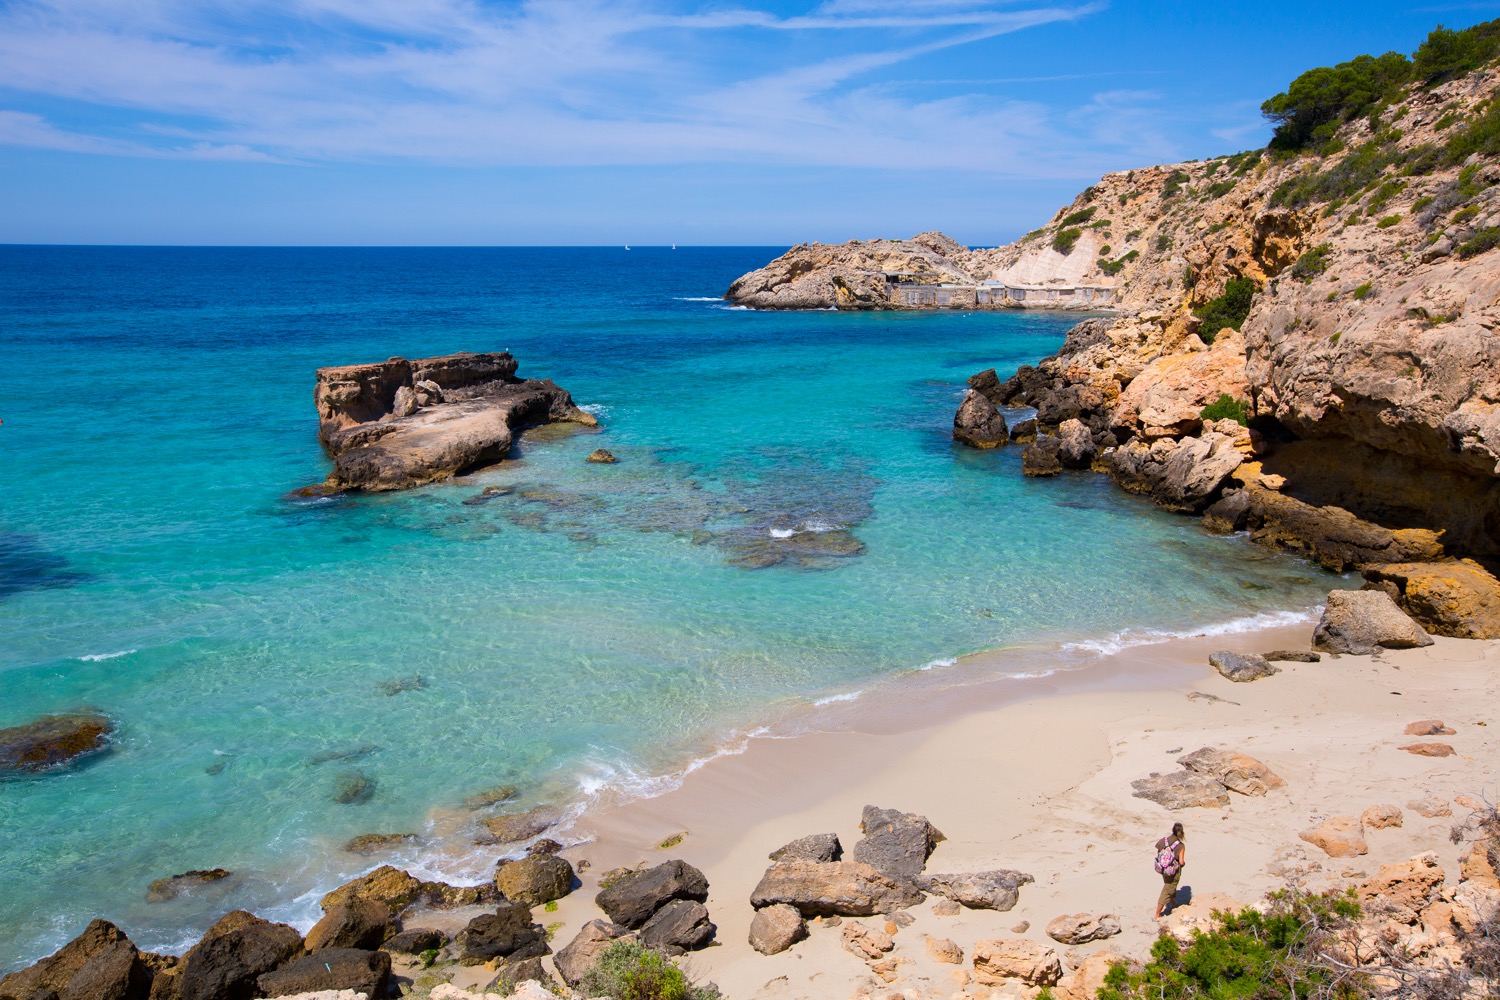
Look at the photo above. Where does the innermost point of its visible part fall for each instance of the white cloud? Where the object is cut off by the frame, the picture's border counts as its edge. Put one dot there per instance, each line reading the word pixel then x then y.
pixel 561 82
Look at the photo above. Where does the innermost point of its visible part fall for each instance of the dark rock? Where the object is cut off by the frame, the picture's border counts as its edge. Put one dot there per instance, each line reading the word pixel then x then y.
pixel 1363 621
pixel 987 384
pixel 231 957
pixel 1228 514
pixel 1042 457
pixel 601 457
pixel 400 685
pixel 366 972
pixel 544 846
pixel 895 843
pixel 358 923
pixel 776 928
pixel 491 797
pixel 632 900
pixel 415 941
pixel 990 890
pixel 317 491
pixel 1075 444
pixel 580 956
pixel 352 787
pixel 164 889
pixel 1292 656
pixel 1241 667
pixel 837 888
pixel 680 926
pixel 508 932
pixel 375 843
pixel 371 418
pixel 535 879
pixel 978 423
pixel 511 972
pixel 1023 431
pixel 817 847
pixel 52 741
pixel 99 964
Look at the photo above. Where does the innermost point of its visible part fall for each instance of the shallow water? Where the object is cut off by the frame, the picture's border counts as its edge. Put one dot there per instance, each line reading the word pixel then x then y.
pixel 596 626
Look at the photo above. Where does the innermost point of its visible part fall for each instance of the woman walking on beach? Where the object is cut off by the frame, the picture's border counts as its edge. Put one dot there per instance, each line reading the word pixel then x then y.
pixel 1171 858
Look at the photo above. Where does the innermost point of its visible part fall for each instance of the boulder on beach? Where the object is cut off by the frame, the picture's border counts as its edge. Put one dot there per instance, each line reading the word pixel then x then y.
pixel 998 889
pixel 816 847
pixel 1003 959
pixel 944 951
pixel 1427 727
pixel 1402 891
pixel 506 933
pixel 366 972
pixel 896 844
pixel 580 956
pixel 99 964
pixel 164 889
pixel 680 926
pixel 1338 837
pixel 868 943
pixel 415 940
pixel 835 888
pixel 53 741
pixel 1431 808
pixel 1081 928
pixel 1430 749
pixel 776 928
pixel 1381 816
pixel 634 898
pixel 229 960
pixel 355 923
pixel 1241 667
pixel 978 423
pixel 1362 622
pixel 1293 656
pixel 1456 597
pixel 1236 771
pixel 535 879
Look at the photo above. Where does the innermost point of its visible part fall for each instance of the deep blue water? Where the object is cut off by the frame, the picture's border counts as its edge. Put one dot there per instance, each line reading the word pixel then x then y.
pixel 591 629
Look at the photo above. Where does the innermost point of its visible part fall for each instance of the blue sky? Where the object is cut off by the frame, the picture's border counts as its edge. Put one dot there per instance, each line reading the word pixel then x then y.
pixel 635 121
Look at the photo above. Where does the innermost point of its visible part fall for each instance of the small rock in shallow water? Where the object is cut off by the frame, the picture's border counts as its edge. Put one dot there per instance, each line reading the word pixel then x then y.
pixel 52 741
pixel 490 797
pixel 374 843
pixel 164 889
pixel 329 756
pixel 352 788
pixel 601 457
pixel 398 685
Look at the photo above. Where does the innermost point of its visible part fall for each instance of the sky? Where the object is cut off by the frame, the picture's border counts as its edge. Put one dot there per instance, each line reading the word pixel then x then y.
pixel 580 122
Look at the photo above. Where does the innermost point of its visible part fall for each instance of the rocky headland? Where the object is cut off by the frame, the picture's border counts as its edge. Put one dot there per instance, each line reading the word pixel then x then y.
pixel 398 423
pixel 1304 340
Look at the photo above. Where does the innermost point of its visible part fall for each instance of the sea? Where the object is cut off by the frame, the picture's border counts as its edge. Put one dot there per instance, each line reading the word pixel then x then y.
pixel 594 630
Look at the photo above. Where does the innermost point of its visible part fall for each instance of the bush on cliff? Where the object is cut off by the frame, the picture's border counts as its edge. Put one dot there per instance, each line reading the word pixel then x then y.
pixel 1448 54
pixel 627 971
pixel 1249 956
pixel 1311 109
pixel 1227 310
pixel 1065 240
pixel 1226 407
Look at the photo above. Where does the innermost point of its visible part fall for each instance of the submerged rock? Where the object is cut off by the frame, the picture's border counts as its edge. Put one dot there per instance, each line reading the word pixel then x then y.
pixel 164 889
pixel 53 741
pixel 515 827
pixel 395 424
pixel 375 843
pixel 600 456
pixel 352 787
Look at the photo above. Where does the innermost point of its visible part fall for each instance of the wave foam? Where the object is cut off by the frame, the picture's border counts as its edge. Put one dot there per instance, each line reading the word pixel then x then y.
pixel 96 657
pixel 595 409
pixel 697 298
pixel 942 661
pixel 614 774
pixel 812 527
pixel 1131 638
pixel 834 699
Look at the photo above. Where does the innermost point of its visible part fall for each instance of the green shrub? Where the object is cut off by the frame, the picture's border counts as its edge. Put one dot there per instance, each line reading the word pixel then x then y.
pixel 1163 242
pixel 1065 240
pixel 1226 407
pixel 1316 103
pixel 1421 203
pixel 1249 956
pixel 1078 218
pixel 1362 291
pixel 1219 190
pixel 1113 267
pixel 1482 240
pixel 1312 263
pixel 1357 170
pixel 1228 310
pixel 1447 54
pixel 1383 195
pixel 1174 184
pixel 626 971
pixel 1465 214
pixel 1388 222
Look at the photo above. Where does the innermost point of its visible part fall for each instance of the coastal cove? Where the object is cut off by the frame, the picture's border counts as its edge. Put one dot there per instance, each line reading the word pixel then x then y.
pixel 583 634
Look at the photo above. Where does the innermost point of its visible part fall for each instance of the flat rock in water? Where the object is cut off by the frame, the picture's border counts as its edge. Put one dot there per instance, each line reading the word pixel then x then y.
pixel 375 843
pixel 352 787
pixel 1362 622
pixel 1241 667
pixel 522 826
pixel 1293 656
pixel 164 889
pixel 896 844
pixel 817 847
pixel 834 888
pixel 634 898
pixel 1182 790
pixel 52 741
pixel 989 890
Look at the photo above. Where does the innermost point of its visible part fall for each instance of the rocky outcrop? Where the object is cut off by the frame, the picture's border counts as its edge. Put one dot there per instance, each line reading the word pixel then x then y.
pixel 1004 959
pixel 397 890
pixel 514 827
pixel 1238 772
pixel 837 888
pixel 817 847
pixel 1042 457
pixel 634 898
pixel 1363 622
pixel 1457 597
pixel 895 843
pixel 365 972
pixel 989 890
pixel 52 742
pixel 163 889
pixel 855 275
pixel 1183 476
pixel 534 880
pixel 229 961
pixel 398 423
pixel 979 423
pixel 99 964
pixel 357 923
pixel 1181 790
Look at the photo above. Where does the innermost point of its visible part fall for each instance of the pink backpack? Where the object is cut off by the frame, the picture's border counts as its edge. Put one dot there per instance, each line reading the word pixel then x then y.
pixel 1166 860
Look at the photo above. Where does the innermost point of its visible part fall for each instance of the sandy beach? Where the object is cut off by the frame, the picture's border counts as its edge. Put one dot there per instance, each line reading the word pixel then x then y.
pixel 1034 774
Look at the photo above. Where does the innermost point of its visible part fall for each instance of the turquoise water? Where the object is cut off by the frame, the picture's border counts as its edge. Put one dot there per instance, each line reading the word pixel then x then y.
pixel 590 628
